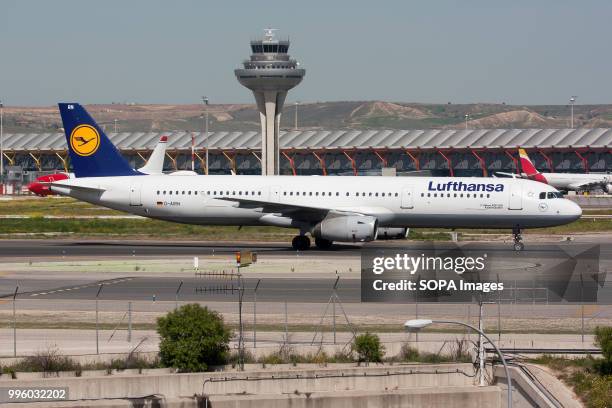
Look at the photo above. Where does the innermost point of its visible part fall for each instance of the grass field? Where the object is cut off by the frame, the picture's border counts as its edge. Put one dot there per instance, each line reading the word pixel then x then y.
pixel 36 226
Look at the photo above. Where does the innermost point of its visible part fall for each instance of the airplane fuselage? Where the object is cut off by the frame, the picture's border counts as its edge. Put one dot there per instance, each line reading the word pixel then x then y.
pixel 394 201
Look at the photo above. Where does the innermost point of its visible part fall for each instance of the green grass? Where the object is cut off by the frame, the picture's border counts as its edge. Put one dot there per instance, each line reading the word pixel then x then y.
pixel 138 228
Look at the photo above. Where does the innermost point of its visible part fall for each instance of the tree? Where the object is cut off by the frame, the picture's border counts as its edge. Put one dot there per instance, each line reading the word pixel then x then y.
pixel 603 338
pixel 193 338
pixel 368 348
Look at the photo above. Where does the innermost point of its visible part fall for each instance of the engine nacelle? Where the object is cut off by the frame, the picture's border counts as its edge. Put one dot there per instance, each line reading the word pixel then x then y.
pixel 349 228
pixel 609 188
pixel 392 233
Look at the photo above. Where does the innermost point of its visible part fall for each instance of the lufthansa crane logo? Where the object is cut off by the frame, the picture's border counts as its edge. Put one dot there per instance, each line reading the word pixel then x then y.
pixel 84 140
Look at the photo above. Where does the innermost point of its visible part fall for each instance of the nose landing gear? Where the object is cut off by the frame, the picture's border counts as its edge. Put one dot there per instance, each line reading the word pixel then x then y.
pixel 300 242
pixel 518 238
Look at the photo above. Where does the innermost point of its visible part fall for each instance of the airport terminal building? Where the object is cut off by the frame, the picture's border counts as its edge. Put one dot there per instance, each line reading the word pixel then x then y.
pixel 466 152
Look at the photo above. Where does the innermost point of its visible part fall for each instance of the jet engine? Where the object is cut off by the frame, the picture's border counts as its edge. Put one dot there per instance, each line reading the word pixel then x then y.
pixel 392 233
pixel 609 188
pixel 348 228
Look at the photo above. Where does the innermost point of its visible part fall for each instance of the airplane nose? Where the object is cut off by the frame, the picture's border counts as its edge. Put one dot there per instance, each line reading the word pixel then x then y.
pixel 38 188
pixel 573 210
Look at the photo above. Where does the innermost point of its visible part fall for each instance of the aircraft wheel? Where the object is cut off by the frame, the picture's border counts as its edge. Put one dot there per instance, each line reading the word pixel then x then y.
pixel 519 246
pixel 300 242
pixel 323 243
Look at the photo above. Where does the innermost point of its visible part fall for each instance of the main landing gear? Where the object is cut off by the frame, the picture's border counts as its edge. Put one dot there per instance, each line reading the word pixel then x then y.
pixel 323 243
pixel 518 245
pixel 300 242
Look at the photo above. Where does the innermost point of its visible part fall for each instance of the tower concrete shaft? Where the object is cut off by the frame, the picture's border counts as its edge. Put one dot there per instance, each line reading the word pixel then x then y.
pixel 270 74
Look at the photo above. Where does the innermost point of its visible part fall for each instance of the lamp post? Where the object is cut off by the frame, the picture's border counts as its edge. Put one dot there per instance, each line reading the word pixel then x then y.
pixel 296 115
pixel 205 102
pixel 418 324
pixel 467 117
pixel 115 121
pixel 572 101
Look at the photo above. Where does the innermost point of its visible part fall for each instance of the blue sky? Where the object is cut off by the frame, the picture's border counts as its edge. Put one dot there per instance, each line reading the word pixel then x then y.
pixel 518 52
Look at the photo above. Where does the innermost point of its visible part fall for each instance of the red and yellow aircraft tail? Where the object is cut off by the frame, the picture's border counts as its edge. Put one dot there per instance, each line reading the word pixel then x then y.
pixel 529 169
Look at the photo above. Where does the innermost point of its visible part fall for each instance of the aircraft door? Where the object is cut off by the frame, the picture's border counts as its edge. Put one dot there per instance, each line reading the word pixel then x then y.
pixel 407 198
pixel 516 196
pixel 135 194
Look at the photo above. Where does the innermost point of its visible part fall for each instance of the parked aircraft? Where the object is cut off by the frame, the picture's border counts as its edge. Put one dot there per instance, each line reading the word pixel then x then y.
pixel 562 181
pixel 330 209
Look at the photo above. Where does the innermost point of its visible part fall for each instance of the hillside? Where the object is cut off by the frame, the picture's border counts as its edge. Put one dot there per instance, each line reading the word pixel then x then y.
pixel 320 115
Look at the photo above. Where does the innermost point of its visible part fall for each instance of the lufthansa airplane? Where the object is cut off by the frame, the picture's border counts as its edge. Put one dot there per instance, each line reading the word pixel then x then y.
pixel 330 209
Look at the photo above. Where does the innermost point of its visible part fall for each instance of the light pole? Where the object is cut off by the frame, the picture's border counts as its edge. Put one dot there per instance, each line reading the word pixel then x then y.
pixel 418 324
pixel 467 117
pixel 205 102
pixel 1 144
pixel 572 101
pixel 296 115
pixel 115 120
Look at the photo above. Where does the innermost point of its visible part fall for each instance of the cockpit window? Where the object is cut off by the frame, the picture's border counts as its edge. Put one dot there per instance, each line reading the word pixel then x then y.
pixel 550 195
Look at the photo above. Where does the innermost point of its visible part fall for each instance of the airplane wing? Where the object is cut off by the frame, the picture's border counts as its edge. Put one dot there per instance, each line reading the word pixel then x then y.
pixel 295 211
pixel 581 186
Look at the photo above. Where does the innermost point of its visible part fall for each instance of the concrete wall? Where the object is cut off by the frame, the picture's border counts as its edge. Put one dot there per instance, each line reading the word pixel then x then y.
pixel 448 397
pixel 260 382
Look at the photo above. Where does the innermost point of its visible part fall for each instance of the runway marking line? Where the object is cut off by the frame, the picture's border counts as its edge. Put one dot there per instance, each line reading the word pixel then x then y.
pixel 110 282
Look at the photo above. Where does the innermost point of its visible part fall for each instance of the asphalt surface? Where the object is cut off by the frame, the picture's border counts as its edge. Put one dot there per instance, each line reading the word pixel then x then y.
pixel 104 248
pixel 314 289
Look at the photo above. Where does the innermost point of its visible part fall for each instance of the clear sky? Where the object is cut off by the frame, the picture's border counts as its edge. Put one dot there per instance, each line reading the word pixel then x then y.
pixel 147 51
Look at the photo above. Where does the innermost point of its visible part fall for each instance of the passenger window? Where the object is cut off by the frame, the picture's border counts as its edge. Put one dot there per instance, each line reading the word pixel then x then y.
pixel 347 194
pixel 337 193
pixel 542 196
pixel 183 192
pixel 488 195
pixel 422 194
pixel 376 194
pixel 310 193
pixel 259 193
pixel 291 193
pixel 397 194
pixel 428 194
pixel 383 194
pixel 189 192
pixel 284 193
pixel 177 192
pixel 157 192
pixel 170 192
pixel 164 192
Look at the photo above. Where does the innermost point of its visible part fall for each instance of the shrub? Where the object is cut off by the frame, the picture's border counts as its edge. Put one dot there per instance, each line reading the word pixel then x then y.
pixel 368 348
pixel 603 338
pixel 49 361
pixel 192 338
pixel 408 353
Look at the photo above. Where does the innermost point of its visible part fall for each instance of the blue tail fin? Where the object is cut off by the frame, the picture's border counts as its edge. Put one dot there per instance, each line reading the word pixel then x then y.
pixel 91 152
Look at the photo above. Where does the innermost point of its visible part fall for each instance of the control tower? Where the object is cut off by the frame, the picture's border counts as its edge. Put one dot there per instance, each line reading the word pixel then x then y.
pixel 270 73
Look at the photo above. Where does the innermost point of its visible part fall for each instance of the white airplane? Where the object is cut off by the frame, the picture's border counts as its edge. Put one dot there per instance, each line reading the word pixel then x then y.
pixel 562 181
pixel 331 209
